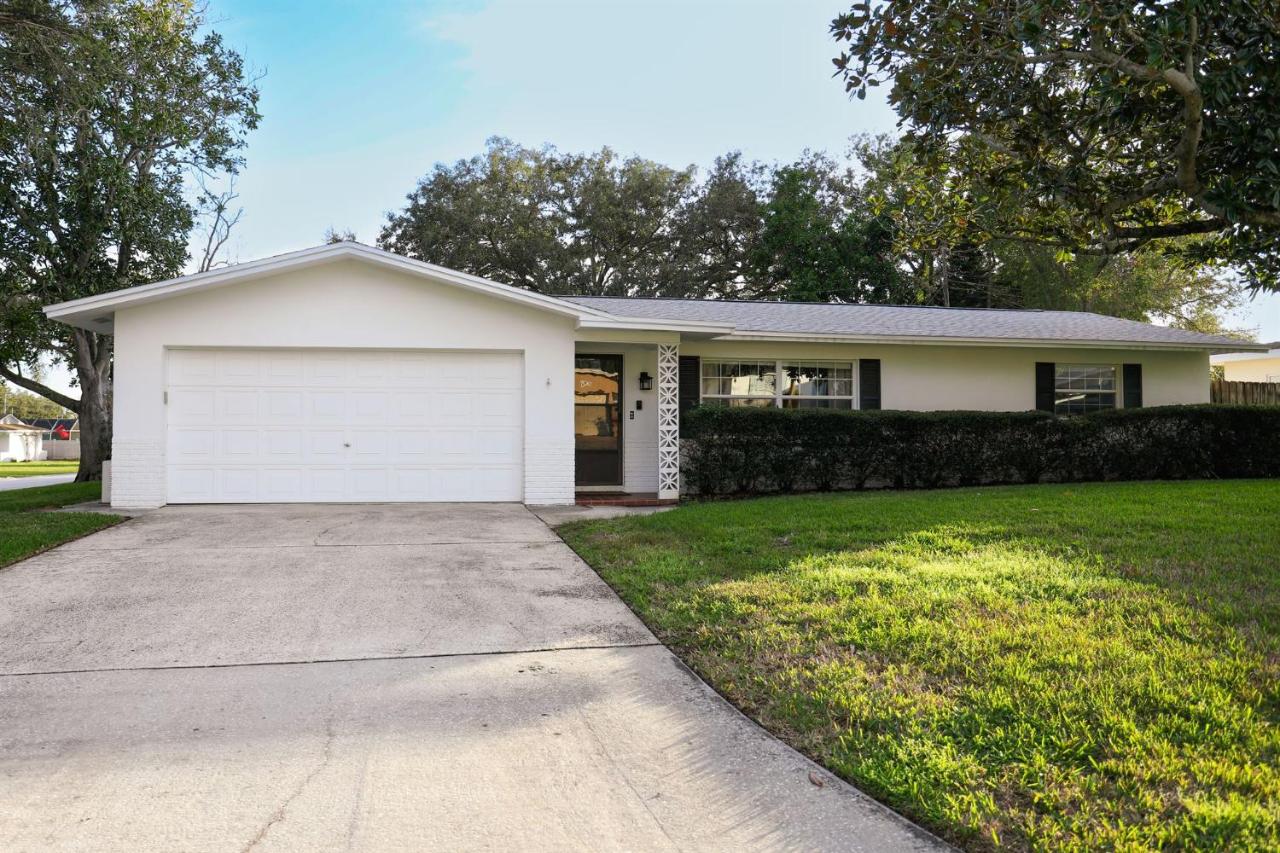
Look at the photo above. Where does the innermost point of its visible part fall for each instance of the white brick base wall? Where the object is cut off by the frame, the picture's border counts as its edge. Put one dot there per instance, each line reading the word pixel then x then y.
pixel 548 471
pixel 137 474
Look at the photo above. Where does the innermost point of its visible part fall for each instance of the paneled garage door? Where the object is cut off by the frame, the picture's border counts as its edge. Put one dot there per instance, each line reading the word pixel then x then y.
pixel 262 426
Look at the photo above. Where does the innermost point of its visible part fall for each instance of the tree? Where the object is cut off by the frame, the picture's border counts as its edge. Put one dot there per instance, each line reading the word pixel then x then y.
pixel 940 219
pixel 552 222
pixel 334 235
pixel 107 107
pixel 820 242
pixel 1147 285
pixel 600 225
pixel 716 230
pixel 946 224
pixel 26 406
pixel 1119 123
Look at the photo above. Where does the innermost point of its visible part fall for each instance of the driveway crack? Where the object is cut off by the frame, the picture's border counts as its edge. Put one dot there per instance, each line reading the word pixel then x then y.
pixel 279 814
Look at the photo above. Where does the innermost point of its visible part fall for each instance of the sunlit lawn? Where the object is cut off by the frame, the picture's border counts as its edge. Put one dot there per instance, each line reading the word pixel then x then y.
pixel 1055 667
pixel 38 469
pixel 25 529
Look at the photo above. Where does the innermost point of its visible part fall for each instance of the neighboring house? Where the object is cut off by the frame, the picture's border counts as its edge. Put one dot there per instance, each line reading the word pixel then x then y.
pixel 1251 366
pixel 345 373
pixel 58 429
pixel 13 420
pixel 19 444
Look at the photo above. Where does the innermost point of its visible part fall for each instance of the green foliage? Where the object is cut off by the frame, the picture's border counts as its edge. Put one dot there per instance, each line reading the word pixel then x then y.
pixel 1143 285
pixel 820 242
pixel 599 225
pixel 551 222
pixel 1088 667
pixel 1111 124
pixel 29 406
pixel 752 451
pixel 946 224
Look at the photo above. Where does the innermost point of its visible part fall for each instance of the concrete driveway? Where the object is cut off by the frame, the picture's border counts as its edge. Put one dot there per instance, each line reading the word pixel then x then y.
pixel 385 677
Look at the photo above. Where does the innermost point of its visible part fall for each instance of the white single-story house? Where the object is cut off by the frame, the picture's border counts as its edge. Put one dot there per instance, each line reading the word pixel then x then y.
pixel 346 373
pixel 19 443
pixel 1251 366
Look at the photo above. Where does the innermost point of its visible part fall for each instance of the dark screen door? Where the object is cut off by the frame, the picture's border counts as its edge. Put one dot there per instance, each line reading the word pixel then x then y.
pixel 597 420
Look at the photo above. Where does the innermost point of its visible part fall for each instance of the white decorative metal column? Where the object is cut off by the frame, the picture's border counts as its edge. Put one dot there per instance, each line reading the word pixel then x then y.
pixel 668 421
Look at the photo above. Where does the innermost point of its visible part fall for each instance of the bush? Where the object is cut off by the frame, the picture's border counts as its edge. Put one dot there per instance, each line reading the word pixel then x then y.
pixel 752 451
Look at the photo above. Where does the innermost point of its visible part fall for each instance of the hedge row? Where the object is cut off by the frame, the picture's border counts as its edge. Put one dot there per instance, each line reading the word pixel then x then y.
pixel 752 451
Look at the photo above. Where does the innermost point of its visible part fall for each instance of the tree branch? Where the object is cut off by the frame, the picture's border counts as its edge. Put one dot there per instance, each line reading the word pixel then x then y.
pixel 41 389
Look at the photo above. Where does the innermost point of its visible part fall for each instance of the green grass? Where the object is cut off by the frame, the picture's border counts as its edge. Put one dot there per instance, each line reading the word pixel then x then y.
pixel 26 530
pixel 1045 667
pixel 38 469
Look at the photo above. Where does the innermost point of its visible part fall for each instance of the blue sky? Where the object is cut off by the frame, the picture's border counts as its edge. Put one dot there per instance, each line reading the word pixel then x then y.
pixel 360 99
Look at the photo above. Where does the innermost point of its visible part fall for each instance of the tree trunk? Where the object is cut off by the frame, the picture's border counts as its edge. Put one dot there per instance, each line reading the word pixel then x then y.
pixel 95 430
pixel 93 368
pixel 944 273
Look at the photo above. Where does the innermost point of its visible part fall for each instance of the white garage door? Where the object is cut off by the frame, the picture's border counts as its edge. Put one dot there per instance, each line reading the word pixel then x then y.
pixel 262 426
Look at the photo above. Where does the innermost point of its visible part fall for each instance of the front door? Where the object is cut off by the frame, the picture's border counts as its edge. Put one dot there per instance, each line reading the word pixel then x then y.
pixel 597 420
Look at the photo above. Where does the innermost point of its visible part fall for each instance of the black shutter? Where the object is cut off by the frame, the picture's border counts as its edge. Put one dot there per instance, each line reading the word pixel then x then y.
pixel 690 382
pixel 869 383
pixel 1044 386
pixel 1133 386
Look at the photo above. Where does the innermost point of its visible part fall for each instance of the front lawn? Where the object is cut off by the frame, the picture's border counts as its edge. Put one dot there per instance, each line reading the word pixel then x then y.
pixel 26 530
pixel 1050 667
pixel 38 469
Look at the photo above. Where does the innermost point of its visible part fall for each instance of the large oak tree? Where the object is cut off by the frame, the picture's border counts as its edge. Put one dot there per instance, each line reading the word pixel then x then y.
pixel 599 224
pixel 1117 123
pixel 108 109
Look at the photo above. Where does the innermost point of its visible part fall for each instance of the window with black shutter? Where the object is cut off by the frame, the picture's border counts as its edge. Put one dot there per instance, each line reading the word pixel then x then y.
pixel 689 377
pixel 1133 386
pixel 1044 385
pixel 869 383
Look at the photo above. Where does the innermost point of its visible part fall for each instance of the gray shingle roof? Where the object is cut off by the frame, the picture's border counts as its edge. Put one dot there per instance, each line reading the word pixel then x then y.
pixel 808 318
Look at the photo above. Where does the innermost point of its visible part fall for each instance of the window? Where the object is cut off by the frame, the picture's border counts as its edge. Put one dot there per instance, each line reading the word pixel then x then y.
pixel 789 384
pixel 1082 388
pixel 739 383
pixel 817 385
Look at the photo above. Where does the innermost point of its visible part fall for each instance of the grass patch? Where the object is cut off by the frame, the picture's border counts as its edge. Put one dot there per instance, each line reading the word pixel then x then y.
pixel 1045 667
pixel 26 530
pixel 38 469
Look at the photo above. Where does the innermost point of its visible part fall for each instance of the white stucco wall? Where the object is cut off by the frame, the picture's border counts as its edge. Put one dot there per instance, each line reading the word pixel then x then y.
pixel 1261 369
pixel 924 378
pixel 342 304
pixel 639 428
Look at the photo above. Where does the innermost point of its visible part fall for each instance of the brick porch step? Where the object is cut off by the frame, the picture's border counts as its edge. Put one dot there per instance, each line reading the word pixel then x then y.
pixel 621 499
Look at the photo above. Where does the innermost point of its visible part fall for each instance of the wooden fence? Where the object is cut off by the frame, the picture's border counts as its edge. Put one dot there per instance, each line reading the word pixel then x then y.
pixel 1247 393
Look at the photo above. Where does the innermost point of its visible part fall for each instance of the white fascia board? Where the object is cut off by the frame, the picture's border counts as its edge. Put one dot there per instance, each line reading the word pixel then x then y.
pixel 91 308
pixel 938 340
pixel 1250 355
pixel 610 322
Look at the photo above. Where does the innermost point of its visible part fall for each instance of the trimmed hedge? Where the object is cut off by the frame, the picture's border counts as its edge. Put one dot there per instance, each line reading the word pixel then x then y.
pixel 753 451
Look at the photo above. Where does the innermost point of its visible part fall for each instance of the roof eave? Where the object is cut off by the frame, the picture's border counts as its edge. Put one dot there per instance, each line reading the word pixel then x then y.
pixel 95 311
pixel 798 337
pixel 641 324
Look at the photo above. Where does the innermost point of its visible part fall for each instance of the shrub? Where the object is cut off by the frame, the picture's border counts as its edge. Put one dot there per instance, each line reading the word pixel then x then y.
pixel 751 451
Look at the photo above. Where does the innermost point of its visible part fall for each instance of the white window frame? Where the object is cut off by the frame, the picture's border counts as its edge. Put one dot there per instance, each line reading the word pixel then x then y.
pixel 1117 392
pixel 778 395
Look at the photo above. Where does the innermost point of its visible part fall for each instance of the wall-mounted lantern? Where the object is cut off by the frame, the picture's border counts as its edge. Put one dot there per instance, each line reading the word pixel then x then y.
pixel 646 381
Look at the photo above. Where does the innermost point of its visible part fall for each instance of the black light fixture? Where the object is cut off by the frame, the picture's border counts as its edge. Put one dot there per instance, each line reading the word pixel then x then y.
pixel 646 381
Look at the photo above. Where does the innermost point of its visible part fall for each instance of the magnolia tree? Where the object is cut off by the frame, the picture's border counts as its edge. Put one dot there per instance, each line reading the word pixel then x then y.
pixel 108 111
pixel 1115 125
